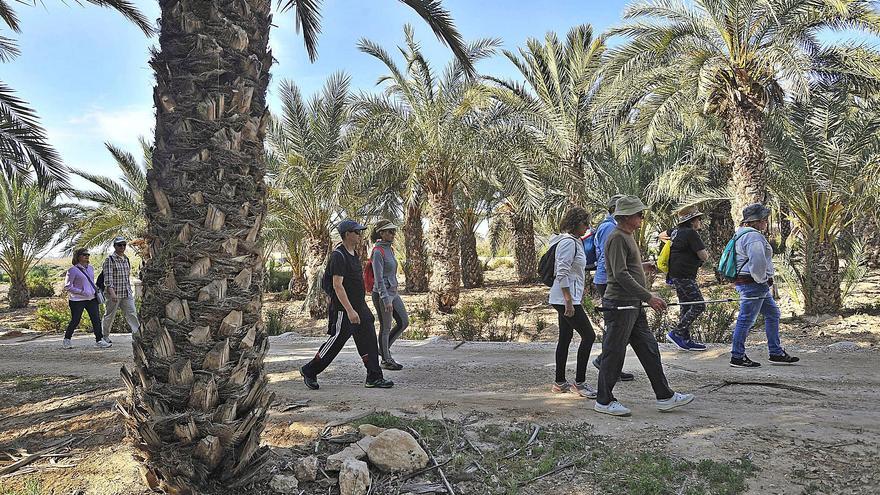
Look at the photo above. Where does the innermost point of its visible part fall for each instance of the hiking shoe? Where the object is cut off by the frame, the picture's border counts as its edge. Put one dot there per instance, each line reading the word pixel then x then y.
pixel 107 340
pixel 103 344
pixel 584 390
pixel 678 340
pixel 562 388
pixel 380 383
pixel 624 376
pixel 66 344
pixel 310 381
pixel 695 346
pixel 784 358
pixel 391 365
pixel 677 400
pixel 743 362
pixel 613 409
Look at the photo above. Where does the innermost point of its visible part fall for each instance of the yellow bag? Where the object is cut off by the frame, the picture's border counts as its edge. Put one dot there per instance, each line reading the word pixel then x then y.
pixel 663 259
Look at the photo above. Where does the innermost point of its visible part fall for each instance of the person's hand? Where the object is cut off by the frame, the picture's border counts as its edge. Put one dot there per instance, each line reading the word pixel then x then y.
pixel 770 282
pixel 354 318
pixel 389 308
pixel 664 236
pixel 114 298
pixel 656 303
pixel 569 309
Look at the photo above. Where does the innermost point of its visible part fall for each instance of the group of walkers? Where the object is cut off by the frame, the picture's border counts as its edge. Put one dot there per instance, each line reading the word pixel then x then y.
pixel 84 293
pixel 620 281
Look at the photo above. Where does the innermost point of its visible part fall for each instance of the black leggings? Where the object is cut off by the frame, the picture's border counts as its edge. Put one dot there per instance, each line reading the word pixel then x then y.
pixel 76 311
pixel 567 325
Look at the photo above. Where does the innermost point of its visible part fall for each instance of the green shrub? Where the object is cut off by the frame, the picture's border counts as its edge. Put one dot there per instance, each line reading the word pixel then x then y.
pixel 40 286
pixel 54 315
pixel 277 280
pixel 285 295
pixel 478 320
pixel 44 271
pixel 496 263
pixel 276 322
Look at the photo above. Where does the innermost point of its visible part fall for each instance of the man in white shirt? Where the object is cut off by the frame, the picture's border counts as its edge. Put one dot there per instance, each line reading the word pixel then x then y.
pixel 116 271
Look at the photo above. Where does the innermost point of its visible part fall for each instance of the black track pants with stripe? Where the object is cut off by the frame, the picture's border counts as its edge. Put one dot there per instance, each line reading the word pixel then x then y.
pixel 340 329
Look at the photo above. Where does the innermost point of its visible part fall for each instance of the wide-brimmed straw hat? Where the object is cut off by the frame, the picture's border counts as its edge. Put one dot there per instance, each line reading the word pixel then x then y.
pixel 755 212
pixel 628 205
pixel 687 214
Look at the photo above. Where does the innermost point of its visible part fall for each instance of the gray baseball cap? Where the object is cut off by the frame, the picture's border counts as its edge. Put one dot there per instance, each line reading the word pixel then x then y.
pixel 349 225
pixel 755 212
pixel 119 240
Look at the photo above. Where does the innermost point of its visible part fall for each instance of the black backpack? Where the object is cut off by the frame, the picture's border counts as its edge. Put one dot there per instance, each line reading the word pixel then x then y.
pixel 100 282
pixel 547 265
pixel 327 277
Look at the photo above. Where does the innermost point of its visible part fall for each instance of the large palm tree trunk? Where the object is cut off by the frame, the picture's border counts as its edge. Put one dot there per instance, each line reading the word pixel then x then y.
pixel 444 243
pixel 415 268
pixel 745 134
pixel 299 284
pixel 471 267
pixel 822 279
pixel 19 294
pixel 198 395
pixel 316 256
pixel 868 227
pixel 525 258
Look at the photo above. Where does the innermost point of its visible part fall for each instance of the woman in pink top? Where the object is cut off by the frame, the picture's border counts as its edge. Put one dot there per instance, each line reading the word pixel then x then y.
pixel 82 295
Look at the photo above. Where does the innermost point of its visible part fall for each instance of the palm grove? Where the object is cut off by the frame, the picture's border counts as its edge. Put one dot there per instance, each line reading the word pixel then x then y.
pixel 715 103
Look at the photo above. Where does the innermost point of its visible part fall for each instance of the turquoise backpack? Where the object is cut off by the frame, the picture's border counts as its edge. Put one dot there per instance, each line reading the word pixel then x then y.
pixel 728 266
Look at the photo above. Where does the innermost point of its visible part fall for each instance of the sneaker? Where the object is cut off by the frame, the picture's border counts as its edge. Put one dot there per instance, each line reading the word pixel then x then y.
pixel 391 365
pixel 743 362
pixel 695 346
pixel 310 381
pixel 380 383
pixel 784 358
pixel 613 409
pixel 103 344
pixel 584 390
pixel 107 339
pixel 624 376
pixel 66 344
pixel 677 400
pixel 562 388
pixel 678 340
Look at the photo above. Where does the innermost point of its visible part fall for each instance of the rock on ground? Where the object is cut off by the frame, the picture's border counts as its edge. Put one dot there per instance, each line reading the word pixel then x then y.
pixel 284 484
pixel 307 468
pixel 397 451
pixel 367 429
pixel 844 347
pixel 334 461
pixel 354 478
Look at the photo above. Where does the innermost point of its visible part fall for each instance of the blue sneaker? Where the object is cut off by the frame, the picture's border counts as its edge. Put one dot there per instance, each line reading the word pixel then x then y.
pixel 678 341
pixel 695 346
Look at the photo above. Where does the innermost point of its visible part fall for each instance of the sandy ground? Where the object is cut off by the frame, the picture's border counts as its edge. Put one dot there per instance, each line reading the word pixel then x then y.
pixel 826 426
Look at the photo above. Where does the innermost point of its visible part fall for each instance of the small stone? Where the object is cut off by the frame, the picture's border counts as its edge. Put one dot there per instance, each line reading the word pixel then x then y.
pixel 844 346
pixel 334 462
pixel 367 429
pixel 284 484
pixel 354 478
pixel 307 468
pixel 397 451
pixel 364 443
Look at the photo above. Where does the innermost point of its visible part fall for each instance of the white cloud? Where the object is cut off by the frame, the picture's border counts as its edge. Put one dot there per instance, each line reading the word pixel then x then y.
pixel 121 127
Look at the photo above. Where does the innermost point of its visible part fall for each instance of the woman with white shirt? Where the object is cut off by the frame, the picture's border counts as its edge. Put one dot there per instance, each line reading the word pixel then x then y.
pixel 566 296
pixel 82 296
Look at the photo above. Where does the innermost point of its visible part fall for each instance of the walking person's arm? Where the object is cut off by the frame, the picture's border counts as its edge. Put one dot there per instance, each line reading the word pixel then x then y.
pixel 757 262
pixel 353 316
pixel 565 253
pixel 378 262
pixel 615 257
pixel 107 268
pixel 69 285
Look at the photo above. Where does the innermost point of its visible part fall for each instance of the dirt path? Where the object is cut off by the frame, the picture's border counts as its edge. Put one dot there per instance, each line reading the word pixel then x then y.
pixel 819 424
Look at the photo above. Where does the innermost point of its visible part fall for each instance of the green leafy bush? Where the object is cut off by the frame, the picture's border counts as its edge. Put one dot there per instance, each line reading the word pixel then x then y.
pixel 277 280
pixel 496 263
pixel 40 286
pixel 478 320
pixel 276 322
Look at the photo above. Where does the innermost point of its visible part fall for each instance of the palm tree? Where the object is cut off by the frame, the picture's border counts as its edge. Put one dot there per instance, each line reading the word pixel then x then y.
pixel 198 393
pixel 282 231
pixel 423 127
pixel 24 147
pixel 30 219
pixel 826 170
pixel 308 141
pixel 738 59
pixel 117 206
pixel 556 105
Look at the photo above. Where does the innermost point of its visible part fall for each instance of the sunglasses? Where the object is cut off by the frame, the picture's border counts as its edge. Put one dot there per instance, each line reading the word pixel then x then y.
pixel 85 254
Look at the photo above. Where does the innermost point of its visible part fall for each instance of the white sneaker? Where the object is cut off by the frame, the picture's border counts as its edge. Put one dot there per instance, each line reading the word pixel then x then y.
pixel 677 400
pixel 103 344
pixel 107 339
pixel 614 409
pixel 66 344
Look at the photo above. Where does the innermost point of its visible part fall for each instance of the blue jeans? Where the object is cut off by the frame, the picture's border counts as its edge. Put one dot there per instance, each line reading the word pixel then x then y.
pixel 748 314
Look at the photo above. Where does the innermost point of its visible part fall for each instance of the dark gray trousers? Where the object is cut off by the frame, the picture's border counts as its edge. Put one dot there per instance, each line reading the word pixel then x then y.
pixel 622 328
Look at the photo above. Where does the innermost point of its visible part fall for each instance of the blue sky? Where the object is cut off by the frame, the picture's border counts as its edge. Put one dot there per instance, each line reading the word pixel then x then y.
pixel 85 69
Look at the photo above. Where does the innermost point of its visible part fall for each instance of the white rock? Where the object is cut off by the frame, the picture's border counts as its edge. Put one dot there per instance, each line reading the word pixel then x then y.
pixel 354 478
pixel 367 429
pixel 284 484
pixel 334 462
pixel 307 468
pixel 397 451
pixel 844 346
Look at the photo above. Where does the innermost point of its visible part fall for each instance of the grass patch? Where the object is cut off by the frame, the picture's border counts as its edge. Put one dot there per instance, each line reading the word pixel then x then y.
pixel 23 383
pixel 507 465
pixel 31 486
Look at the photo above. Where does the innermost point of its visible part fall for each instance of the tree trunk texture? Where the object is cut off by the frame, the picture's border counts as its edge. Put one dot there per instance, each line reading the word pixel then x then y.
pixel 444 244
pixel 745 134
pixel 471 266
pixel 525 258
pixel 198 394
pixel 299 284
pixel 869 229
pixel 822 279
pixel 317 249
pixel 720 229
pixel 415 267
pixel 19 294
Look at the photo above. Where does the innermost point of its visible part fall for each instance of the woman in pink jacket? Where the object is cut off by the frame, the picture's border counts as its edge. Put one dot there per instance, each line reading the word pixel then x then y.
pixel 82 295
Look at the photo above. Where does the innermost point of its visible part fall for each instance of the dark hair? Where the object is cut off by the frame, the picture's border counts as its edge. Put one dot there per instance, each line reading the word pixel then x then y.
pixel 572 218
pixel 76 254
pixel 375 235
